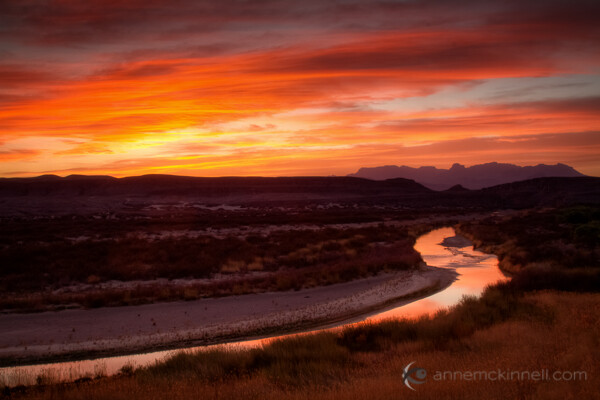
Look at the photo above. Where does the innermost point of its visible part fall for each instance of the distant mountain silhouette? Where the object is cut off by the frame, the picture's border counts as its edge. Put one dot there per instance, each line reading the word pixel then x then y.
pixel 474 177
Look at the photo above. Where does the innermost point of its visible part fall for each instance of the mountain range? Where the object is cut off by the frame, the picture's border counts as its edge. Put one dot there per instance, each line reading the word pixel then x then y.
pixel 474 177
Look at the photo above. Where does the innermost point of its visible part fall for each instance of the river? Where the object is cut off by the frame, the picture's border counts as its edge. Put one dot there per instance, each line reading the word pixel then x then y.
pixel 440 247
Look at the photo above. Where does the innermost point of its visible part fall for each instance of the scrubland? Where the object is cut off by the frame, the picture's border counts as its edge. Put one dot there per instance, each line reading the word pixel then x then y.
pixel 43 265
pixel 560 247
pixel 544 319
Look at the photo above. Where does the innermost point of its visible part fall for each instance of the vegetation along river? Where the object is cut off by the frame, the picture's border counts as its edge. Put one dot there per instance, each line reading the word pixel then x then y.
pixel 441 248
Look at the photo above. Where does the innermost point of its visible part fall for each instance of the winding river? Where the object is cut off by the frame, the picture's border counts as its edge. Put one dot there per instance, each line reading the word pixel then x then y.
pixel 440 248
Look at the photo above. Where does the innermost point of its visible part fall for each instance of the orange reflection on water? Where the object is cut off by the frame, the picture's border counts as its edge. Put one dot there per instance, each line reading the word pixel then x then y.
pixel 476 271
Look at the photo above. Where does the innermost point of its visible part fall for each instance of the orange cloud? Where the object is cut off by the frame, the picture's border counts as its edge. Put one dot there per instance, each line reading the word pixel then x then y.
pixel 214 92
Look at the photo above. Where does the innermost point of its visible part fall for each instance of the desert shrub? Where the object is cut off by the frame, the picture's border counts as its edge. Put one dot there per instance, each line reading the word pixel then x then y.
pixel 543 277
pixel 588 234
pixel 291 259
pixel 566 238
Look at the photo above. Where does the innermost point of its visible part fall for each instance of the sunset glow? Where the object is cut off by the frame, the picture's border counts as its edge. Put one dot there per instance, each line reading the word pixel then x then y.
pixel 295 88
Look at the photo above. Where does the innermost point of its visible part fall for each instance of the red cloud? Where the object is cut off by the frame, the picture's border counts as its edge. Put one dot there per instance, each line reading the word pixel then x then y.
pixel 117 72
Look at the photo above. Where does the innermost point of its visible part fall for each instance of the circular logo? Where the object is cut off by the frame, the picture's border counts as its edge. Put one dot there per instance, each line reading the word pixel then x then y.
pixel 413 375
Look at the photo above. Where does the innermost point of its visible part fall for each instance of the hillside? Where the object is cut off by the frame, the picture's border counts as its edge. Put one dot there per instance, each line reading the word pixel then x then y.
pixel 52 195
pixel 170 185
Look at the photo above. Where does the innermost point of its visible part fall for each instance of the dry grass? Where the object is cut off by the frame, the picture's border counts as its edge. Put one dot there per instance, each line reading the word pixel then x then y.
pixel 560 332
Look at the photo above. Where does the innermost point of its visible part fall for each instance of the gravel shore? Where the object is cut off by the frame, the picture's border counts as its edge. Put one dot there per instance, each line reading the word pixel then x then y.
pixel 78 334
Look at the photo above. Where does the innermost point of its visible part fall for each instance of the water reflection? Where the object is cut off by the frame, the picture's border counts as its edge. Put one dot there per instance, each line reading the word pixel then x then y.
pixel 476 270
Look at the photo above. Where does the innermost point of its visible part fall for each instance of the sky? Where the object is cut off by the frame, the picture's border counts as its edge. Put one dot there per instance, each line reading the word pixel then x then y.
pixel 281 87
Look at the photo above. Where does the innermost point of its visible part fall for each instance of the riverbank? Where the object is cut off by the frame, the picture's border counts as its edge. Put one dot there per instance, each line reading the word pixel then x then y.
pixel 79 334
pixel 501 332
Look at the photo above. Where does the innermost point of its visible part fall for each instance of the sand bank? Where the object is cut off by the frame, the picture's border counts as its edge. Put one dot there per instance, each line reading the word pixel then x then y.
pixel 78 334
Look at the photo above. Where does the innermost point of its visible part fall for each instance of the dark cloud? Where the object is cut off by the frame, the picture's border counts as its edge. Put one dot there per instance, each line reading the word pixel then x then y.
pixel 136 71
pixel 429 35
pixel 24 75
pixel 97 21
pixel 581 105
pixel 433 54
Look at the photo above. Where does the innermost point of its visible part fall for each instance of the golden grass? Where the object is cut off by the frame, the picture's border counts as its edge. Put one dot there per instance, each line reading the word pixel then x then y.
pixel 316 367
